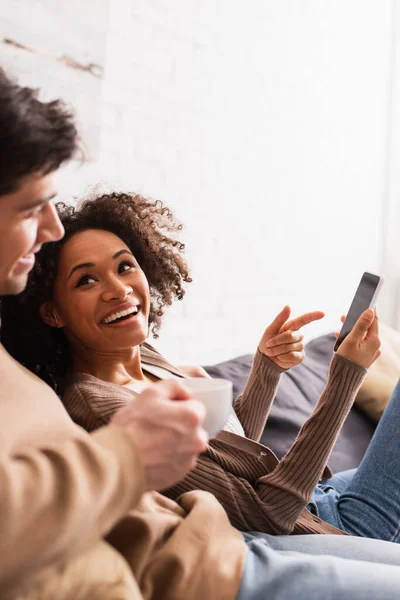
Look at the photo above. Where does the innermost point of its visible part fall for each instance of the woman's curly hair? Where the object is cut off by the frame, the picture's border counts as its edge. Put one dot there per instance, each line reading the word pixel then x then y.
pixel 147 227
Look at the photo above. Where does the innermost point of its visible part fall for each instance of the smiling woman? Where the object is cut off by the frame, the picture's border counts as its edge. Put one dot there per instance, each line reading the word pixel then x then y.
pixel 100 288
pixel 102 304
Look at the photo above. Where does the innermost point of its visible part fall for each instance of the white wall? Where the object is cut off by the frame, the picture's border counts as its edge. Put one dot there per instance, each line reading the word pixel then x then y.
pixel 390 301
pixel 264 125
pixel 60 48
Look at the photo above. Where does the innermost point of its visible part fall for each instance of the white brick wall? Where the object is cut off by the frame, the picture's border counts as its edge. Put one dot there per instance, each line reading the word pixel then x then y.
pixel 263 125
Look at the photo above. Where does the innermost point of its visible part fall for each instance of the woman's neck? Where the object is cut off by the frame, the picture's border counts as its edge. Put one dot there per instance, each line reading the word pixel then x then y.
pixel 120 367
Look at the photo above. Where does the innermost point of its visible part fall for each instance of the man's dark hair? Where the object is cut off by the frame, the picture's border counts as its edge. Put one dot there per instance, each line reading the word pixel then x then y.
pixel 35 136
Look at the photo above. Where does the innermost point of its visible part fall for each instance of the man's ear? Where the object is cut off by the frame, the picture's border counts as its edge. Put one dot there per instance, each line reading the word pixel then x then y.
pixel 49 315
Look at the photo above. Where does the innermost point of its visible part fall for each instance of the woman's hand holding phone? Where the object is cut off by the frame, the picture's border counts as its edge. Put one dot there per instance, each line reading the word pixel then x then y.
pixel 362 344
pixel 282 342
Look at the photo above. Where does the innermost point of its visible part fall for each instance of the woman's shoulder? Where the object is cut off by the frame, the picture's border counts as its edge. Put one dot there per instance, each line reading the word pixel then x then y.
pixel 90 401
pixel 149 355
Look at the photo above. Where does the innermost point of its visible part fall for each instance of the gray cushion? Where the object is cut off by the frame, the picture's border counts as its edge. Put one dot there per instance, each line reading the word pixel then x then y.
pixel 297 396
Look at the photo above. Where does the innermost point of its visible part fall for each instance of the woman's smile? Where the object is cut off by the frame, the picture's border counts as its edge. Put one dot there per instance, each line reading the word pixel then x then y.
pixel 100 288
pixel 121 315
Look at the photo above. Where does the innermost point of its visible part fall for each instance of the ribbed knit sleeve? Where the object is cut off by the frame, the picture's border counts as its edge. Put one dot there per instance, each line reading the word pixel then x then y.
pixel 253 405
pixel 288 489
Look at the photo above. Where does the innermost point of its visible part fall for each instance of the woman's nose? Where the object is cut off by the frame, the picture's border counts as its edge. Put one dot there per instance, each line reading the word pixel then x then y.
pixel 116 290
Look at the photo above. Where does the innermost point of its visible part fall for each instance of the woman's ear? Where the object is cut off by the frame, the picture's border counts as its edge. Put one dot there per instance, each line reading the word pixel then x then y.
pixel 49 315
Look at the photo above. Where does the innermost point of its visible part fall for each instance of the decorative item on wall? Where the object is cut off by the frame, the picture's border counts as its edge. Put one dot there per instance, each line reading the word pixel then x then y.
pixel 60 48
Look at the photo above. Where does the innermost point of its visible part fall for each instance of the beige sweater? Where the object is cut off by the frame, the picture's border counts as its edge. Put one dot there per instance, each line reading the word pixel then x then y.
pixel 258 492
pixel 61 490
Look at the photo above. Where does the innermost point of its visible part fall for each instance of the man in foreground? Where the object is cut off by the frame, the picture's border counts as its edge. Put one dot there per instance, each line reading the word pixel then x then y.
pixel 62 490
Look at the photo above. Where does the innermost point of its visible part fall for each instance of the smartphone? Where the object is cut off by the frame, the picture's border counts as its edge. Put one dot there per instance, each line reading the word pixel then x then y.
pixel 364 298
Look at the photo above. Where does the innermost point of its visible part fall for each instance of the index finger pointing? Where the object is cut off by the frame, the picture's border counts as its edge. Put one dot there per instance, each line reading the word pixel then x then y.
pixel 305 319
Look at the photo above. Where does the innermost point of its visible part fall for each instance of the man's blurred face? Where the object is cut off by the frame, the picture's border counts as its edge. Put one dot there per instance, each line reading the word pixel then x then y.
pixel 27 220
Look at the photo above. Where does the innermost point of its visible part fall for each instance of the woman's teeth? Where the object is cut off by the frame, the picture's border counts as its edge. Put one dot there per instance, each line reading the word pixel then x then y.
pixel 123 313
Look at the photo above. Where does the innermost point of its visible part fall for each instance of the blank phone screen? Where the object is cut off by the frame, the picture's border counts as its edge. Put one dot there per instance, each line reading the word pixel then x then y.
pixel 362 301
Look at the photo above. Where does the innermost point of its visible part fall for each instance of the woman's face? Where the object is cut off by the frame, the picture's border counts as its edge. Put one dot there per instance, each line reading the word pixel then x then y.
pixel 101 295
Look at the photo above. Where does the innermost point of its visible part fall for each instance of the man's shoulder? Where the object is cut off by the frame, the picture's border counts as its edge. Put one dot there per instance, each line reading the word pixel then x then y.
pixel 12 373
pixel 30 411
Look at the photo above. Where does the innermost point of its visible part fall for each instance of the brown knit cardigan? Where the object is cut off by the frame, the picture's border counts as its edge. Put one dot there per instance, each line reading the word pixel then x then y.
pixel 258 492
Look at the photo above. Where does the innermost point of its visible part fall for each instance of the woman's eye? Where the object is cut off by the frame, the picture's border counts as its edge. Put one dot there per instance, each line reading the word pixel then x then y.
pixel 125 266
pixel 85 280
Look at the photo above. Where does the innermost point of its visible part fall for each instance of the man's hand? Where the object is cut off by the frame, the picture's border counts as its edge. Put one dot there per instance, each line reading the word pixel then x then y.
pixel 281 341
pixel 167 429
pixel 362 344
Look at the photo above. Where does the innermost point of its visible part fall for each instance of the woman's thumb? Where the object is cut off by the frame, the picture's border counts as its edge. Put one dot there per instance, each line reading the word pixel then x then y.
pixel 364 323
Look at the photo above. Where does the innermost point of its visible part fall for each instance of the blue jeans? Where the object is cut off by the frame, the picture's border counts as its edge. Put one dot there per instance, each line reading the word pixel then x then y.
pixel 365 502
pixel 319 567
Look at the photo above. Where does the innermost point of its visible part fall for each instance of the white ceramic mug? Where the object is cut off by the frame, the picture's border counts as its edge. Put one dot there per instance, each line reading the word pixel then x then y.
pixel 216 395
